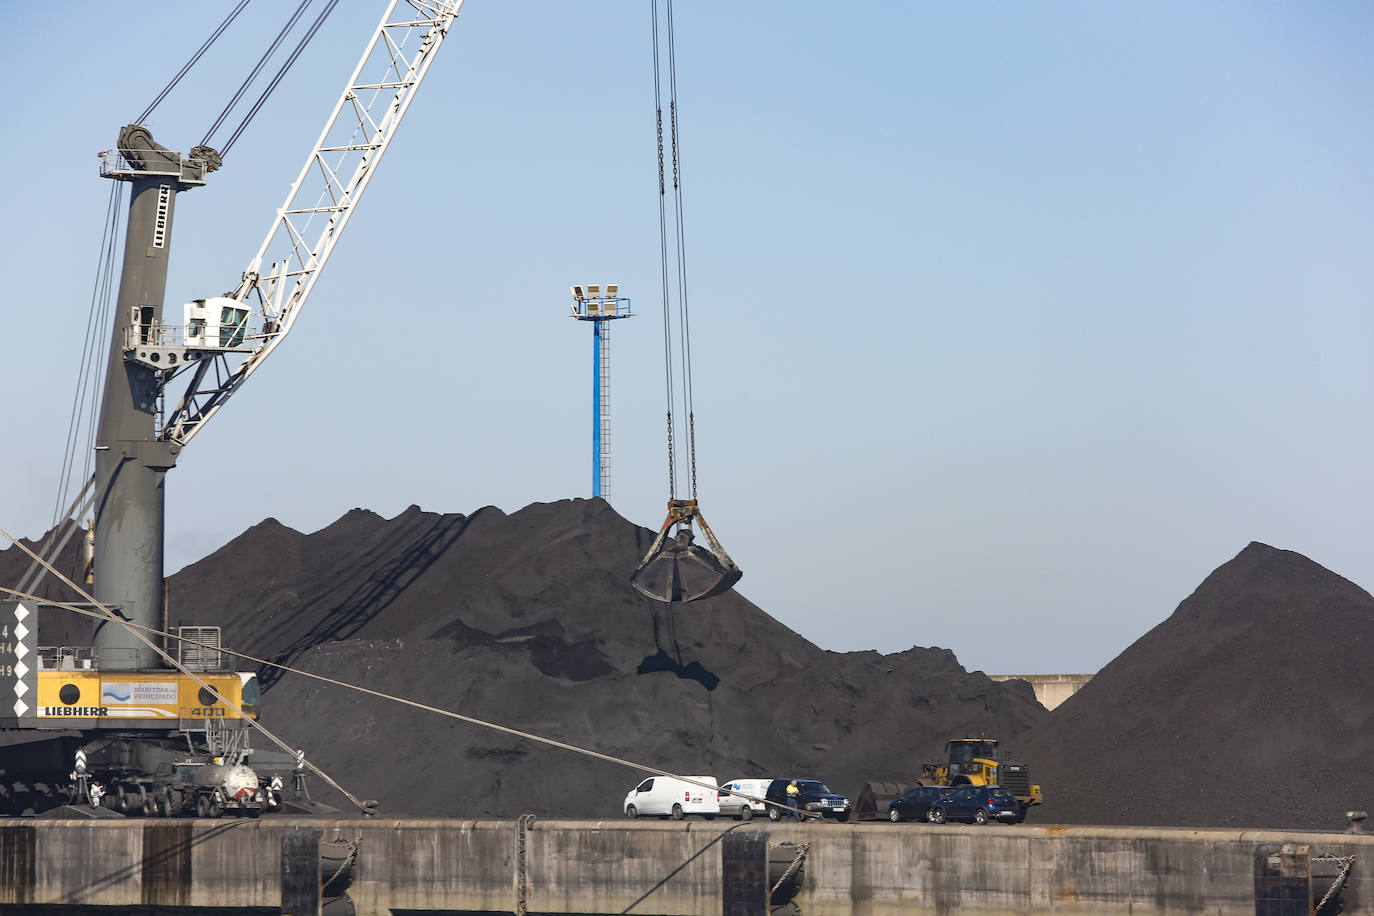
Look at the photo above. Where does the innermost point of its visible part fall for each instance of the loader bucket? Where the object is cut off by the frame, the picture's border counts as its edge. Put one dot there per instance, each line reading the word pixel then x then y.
pixel 681 571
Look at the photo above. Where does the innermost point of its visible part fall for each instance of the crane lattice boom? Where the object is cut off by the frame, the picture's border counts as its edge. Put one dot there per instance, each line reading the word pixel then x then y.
pixel 321 200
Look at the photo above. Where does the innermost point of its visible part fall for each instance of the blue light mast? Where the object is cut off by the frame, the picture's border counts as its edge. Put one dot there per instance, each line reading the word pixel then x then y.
pixel 591 304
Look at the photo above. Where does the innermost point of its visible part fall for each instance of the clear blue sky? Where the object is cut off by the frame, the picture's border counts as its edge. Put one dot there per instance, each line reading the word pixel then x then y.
pixel 1011 321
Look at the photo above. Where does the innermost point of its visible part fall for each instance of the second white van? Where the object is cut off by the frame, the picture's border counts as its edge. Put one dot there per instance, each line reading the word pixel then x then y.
pixel 743 808
pixel 666 796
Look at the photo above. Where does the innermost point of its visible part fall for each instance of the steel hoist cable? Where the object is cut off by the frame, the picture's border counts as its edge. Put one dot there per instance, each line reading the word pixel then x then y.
pixel 685 338
pixel 85 400
pixel 90 378
pixel 679 254
pixel 677 570
pixel 663 261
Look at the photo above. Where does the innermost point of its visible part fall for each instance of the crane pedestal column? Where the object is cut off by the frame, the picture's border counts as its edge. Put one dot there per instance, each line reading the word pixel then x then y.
pixel 131 461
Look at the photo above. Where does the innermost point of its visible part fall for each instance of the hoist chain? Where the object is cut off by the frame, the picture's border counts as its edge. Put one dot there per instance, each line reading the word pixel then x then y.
pixel 692 446
pixel 660 153
pixel 672 111
pixel 672 465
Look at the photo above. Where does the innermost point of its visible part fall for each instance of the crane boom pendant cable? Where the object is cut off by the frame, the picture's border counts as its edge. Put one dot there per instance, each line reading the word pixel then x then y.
pixel 678 570
pixel 204 150
pixel 257 68
pixel 186 68
pixel 280 74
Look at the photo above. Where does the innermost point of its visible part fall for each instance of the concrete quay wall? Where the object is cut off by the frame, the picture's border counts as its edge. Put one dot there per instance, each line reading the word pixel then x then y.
pixel 680 868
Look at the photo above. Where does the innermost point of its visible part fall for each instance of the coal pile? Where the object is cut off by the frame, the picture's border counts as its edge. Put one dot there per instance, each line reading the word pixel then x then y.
pixel 528 620
pixel 1251 706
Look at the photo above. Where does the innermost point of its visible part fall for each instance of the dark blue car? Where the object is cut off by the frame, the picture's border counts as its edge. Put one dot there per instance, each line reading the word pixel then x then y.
pixel 976 805
pixel 915 804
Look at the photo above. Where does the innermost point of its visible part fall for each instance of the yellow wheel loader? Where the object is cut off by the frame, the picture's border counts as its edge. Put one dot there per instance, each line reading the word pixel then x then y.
pixel 975 762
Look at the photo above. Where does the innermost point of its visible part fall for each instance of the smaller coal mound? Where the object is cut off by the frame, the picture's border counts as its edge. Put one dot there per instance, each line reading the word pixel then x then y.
pixel 1251 706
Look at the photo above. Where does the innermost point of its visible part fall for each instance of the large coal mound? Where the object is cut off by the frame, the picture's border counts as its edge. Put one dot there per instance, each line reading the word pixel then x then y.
pixel 1250 706
pixel 528 620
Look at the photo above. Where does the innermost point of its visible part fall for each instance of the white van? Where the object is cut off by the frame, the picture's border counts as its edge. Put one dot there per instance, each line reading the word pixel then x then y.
pixel 666 796
pixel 743 808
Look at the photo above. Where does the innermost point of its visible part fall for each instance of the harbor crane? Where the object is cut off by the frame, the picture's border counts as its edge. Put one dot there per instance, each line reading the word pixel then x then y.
pixel 120 701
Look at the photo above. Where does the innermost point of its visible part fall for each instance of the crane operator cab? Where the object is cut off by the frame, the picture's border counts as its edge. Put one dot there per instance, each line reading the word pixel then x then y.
pixel 678 570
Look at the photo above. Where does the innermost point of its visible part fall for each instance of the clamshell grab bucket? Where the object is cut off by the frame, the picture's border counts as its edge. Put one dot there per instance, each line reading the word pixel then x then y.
pixel 677 570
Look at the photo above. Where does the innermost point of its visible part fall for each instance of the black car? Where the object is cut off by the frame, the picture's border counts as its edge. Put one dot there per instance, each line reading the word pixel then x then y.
pixel 977 805
pixel 815 797
pixel 915 804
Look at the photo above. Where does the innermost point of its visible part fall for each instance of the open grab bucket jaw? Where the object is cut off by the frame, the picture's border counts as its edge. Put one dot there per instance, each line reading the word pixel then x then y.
pixel 678 570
